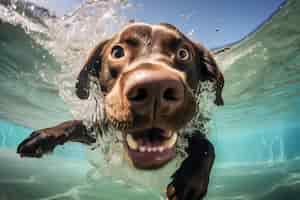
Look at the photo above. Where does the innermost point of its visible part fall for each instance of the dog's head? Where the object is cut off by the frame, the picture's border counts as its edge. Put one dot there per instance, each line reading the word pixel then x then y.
pixel 148 75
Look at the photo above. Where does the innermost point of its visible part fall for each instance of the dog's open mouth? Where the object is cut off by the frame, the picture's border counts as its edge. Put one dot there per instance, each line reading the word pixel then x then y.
pixel 151 148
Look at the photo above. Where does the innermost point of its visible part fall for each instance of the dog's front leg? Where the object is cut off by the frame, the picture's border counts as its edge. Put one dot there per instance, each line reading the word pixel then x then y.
pixel 191 180
pixel 45 140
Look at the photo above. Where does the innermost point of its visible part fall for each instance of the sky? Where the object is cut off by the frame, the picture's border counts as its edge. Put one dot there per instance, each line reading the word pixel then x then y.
pixel 214 23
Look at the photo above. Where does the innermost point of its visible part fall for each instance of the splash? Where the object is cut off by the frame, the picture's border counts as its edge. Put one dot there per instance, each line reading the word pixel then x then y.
pixel 205 98
pixel 201 122
pixel 73 37
pixel 25 14
pixel 69 38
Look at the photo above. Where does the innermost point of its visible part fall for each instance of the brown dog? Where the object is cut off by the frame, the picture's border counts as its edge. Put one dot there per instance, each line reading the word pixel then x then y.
pixel 149 75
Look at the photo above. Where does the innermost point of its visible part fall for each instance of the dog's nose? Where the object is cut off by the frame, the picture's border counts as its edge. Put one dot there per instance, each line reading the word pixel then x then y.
pixel 156 92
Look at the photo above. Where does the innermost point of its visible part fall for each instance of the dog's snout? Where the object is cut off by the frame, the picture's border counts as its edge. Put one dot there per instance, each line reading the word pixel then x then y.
pixel 156 92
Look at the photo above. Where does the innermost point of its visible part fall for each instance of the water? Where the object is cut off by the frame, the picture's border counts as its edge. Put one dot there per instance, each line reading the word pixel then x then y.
pixel 256 133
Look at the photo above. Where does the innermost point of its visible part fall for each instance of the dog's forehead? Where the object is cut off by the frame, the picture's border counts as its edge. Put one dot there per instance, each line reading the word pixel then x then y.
pixel 136 31
pixel 147 31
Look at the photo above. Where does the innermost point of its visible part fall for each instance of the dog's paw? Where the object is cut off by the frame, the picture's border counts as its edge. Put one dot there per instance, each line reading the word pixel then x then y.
pixel 38 144
pixel 190 182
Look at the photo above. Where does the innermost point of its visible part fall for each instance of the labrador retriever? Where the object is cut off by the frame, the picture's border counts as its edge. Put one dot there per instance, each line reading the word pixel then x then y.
pixel 148 75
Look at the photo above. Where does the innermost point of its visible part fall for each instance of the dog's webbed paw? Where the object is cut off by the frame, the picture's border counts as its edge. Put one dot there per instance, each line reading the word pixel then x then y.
pixel 189 183
pixel 40 143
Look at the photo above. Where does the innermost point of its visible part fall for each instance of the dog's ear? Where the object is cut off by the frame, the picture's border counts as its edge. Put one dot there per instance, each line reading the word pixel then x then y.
pixel 92 67
pixel 209 70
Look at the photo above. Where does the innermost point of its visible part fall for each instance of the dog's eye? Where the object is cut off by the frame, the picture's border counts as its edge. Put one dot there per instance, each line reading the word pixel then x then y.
pixel 183 54
pixel 117 52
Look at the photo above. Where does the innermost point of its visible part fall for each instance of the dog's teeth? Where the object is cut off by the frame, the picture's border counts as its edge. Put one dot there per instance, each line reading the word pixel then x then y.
pixel 170 142
pixel 142 149
pixel 161 149
pixel 134 145
pixel 131 142
pixel 169 134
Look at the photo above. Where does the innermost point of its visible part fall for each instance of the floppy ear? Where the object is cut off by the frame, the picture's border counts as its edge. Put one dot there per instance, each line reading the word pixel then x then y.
pixel 209 70
pixel 92 67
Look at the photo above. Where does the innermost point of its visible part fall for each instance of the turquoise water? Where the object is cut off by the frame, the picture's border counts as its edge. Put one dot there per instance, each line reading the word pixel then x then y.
pixel 256 133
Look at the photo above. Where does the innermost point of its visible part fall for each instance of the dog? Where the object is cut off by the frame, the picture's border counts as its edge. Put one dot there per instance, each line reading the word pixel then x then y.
pixel 148 75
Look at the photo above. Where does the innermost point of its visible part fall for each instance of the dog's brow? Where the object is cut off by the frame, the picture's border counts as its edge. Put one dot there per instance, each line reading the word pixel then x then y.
pixel 169 30
pixel 136 32
pixel 174 42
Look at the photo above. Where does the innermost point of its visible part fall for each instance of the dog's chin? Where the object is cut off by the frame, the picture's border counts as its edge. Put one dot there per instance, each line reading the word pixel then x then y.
pixel 150 148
